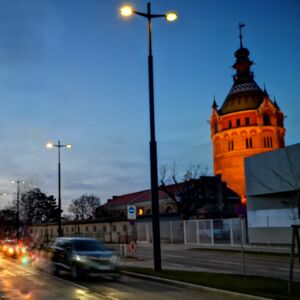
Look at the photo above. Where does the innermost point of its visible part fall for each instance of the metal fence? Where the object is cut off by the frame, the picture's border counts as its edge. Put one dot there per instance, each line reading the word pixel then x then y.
pixel 199 232
pixel 190 232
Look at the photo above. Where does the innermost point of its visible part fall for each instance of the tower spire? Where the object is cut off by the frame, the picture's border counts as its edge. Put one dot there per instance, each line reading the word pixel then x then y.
pixel 241 25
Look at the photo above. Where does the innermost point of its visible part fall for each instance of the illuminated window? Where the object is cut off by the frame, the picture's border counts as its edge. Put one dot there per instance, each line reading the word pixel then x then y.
pixel 230 145
pixel 215 127
pixel 248 142
pixel 247 121
pixel 268 143
pixel 238 122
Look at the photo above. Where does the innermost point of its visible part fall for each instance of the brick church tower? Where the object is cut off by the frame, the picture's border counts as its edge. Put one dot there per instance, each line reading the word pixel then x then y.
pixel 247 123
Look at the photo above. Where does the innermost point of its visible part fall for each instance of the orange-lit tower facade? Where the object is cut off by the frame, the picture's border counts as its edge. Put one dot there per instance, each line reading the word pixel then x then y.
pixel 247 123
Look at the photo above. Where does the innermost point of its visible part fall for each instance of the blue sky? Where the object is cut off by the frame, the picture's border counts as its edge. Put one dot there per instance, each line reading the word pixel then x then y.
pixel 74 70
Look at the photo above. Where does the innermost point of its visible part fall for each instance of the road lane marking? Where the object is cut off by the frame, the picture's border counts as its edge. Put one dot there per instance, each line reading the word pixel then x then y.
pixel 177 256
pixel 178 265
pixel 223 262
pixel 286 269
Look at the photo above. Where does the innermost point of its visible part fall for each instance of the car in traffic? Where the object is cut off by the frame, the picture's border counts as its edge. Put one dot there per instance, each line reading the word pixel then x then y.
pixel 82 256
pixel 10 248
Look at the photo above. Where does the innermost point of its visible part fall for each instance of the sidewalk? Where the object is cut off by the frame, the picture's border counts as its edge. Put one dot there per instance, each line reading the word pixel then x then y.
pixel 284 249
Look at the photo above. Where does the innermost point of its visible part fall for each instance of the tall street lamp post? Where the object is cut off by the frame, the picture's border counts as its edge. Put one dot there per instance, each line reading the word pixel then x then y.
pixel 18 182
pixel 58 146
pixel 127 11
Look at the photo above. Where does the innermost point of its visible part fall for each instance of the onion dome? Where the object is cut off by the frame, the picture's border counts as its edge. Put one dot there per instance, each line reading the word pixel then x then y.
pixel 245 93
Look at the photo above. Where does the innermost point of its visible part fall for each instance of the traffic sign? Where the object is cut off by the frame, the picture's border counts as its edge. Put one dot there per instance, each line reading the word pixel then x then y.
pixel 131 212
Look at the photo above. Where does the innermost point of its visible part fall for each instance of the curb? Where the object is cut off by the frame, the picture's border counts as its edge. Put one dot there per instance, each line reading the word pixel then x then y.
pixel 236 295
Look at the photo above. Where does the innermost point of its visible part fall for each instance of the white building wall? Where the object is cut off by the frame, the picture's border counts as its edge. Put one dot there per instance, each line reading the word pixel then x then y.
pixel 272 179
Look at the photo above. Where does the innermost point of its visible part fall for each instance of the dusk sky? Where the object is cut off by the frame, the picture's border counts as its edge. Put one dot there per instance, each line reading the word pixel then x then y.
pixel 75 70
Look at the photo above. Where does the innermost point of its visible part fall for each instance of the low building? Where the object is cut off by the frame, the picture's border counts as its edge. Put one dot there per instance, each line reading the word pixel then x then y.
pixel 110 223
pixel 273 191
pixel 219 200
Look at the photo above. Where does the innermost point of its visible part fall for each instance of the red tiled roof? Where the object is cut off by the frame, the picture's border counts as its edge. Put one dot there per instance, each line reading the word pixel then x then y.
pixel 145 196
pixel 137 197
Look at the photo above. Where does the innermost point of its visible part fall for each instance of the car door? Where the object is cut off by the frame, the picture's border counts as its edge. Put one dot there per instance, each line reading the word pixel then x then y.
pixel 59 254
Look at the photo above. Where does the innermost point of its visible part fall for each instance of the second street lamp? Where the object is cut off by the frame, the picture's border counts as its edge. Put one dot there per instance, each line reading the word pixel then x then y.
pixel 18 182
pixel 58 146
pixel 172 16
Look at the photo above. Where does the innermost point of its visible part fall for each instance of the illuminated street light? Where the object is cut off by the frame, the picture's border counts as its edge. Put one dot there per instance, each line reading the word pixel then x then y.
pixel 18 182
pixel 127 11
pixel 58 146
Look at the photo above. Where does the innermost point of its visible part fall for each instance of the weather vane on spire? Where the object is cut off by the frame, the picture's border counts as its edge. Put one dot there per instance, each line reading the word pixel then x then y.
pixel 241 25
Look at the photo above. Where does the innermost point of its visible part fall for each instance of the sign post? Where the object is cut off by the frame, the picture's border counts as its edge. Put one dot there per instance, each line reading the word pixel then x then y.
pixel 240 210
pixel 131 212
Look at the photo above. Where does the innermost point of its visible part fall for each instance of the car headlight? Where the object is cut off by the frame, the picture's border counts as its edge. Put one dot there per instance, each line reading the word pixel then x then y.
pixel 80 258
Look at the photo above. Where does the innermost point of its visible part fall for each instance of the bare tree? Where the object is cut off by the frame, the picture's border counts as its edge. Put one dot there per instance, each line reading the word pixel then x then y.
pixel 188 195
pixel 84 207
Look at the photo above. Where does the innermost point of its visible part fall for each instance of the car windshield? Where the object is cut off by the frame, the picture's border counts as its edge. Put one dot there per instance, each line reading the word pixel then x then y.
pixel 89 245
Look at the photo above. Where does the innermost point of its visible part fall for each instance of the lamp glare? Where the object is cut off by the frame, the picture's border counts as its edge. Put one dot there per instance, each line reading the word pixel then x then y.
pixel 126 11
pixel 171 16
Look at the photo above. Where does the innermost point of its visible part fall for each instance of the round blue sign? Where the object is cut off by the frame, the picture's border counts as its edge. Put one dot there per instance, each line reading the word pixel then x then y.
pixel 131 210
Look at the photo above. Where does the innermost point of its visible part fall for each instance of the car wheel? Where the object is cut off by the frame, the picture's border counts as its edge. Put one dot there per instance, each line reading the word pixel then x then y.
pixel 54 269
pixel 75 272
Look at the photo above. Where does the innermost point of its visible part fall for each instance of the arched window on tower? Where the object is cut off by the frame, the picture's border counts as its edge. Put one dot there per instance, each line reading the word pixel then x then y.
pixel 268 143
pixel 267 120
pixel 248 143
pixel 215 127
pixel 230 145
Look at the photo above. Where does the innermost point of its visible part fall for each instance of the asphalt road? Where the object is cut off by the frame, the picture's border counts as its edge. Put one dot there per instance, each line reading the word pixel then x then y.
pixel 174 257
pixel 25 282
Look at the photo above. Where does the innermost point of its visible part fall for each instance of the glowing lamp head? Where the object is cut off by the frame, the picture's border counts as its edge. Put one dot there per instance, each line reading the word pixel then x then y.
pixel 69 146
pixel 171 16
pixel 49 145
pixel 126 11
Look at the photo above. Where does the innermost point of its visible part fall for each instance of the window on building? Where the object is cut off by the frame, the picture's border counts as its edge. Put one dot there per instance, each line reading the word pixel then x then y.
pixel 124 227
pixel 267 120
pixel 114 228
pixel 229 124
pixel 94 228
pixel 230 145
pixel 248 142
pixel 67 229
pixel 72 229
pixel 268 143
pixel 247 121
pixel 104 228
pixel 238 122
pixel 216 127
pixel 86 228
